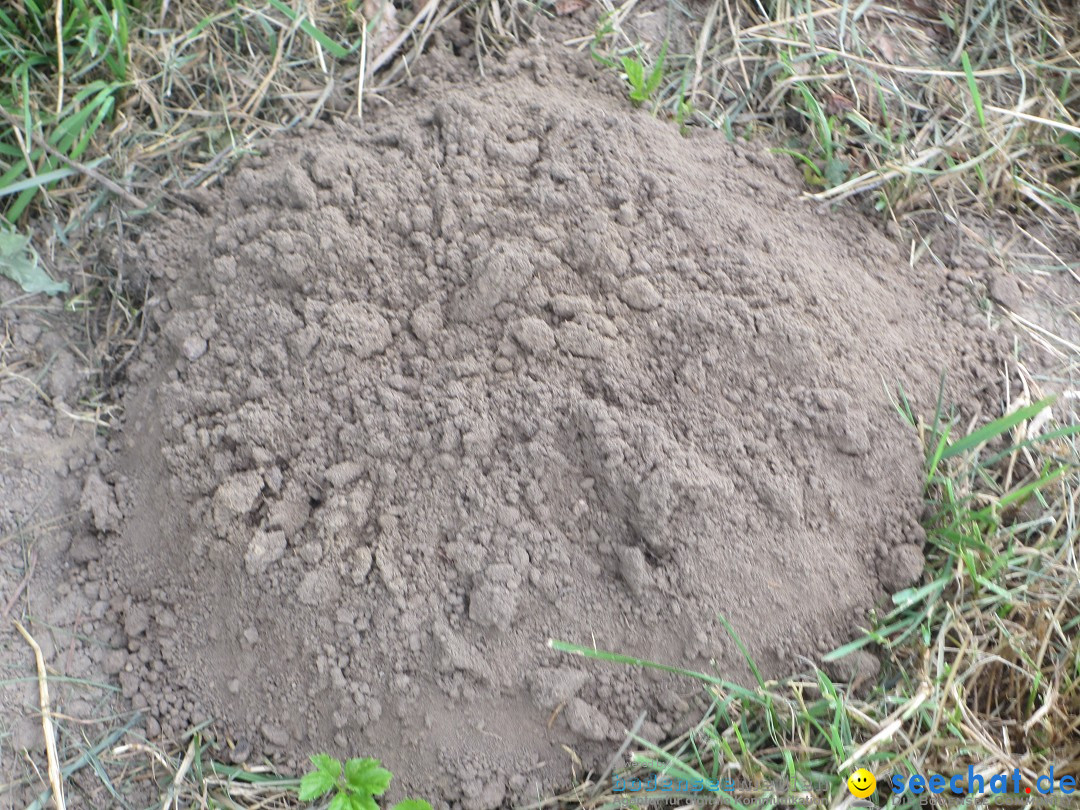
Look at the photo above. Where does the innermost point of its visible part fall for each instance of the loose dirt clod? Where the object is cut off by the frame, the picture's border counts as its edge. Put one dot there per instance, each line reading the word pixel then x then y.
pixel 511 363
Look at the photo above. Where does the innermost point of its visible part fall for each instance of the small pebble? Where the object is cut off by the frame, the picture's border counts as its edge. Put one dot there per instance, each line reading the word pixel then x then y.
pixel 193 347
pixel 241 751
pixel 639 293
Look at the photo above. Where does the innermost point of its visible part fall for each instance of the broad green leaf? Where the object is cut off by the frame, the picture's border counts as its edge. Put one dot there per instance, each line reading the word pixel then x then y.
pixel 366 776
pixel 327 764
pixel 343 801
pixel 19 262
pixel 412 804
pixel 363 801
pixel 316 784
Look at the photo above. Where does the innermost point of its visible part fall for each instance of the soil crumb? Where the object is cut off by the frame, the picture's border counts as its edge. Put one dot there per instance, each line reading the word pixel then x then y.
pixel 509 362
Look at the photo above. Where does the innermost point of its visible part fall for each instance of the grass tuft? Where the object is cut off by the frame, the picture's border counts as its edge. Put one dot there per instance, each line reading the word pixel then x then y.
pixel 909 105
pixel 982 658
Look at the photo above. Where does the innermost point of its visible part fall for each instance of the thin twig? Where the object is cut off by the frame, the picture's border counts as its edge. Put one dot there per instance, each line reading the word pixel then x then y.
pixel 20 587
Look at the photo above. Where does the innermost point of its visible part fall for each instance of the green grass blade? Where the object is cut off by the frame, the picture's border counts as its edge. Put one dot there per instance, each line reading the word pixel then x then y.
pixel 309 28
pixel 996 428
pixel 45 179
pixel 973 88
pixel 616 658
pixel 742 649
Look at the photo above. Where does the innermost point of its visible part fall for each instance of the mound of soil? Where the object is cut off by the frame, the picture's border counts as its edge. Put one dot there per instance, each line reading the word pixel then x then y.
pixel 507 363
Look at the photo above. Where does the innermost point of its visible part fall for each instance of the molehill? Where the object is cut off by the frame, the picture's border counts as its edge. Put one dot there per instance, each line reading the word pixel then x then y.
pixel 508 362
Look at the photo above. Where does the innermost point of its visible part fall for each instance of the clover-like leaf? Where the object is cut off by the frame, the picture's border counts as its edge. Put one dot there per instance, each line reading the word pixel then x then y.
pixel 316 784
pixel 327 764
pixel 321 780
pixel 366 776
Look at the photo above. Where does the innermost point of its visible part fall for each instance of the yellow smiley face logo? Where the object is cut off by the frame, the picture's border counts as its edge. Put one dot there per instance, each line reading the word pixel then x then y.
pixel 861 783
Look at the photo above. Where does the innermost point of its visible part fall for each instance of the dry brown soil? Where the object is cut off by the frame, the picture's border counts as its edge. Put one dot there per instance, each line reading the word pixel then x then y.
pixel 510 361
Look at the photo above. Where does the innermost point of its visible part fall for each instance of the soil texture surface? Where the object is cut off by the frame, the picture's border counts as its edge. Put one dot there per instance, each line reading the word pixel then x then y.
pixel 508 362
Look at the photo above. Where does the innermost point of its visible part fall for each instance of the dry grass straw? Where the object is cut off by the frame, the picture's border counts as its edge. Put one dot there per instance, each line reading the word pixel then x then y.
pixel 122 769
pixel 47 728
pixel 909 104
